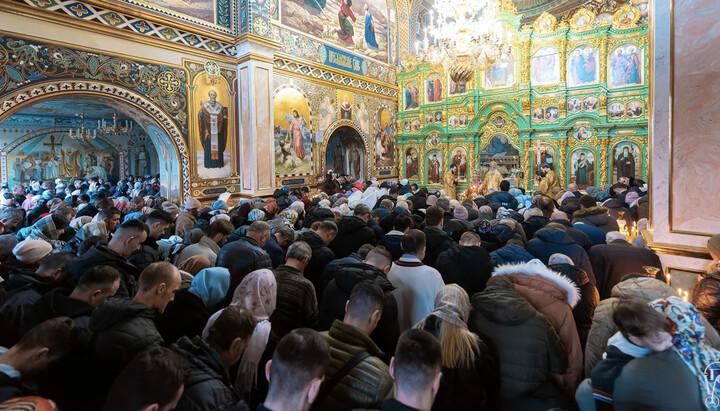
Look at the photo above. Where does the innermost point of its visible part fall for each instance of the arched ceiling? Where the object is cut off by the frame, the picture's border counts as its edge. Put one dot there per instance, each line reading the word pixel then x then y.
pixel 70 108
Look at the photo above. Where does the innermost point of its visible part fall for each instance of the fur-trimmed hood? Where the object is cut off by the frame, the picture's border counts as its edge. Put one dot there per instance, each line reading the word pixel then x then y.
pixel 588 212
pixel 536 268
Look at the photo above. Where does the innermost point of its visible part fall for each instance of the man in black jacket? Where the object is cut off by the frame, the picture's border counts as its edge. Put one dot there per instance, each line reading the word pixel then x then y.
pixel 318 241
pixel 209 387
pixel 158 221
pixel 467 264
pixel 278 243
pixel 245 255
pixel 437 240
pixel 353 231
pixel 504 198
pixel 296 305
pixel 347 275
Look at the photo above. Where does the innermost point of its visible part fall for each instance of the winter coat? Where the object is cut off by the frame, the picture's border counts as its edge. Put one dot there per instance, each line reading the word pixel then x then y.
pixel 644 289
pixel 366 385
pixel 186 316
pixel 241 258
pixel 148 253
pixel 504 233
pixel 12 387
pixel 455 228
pixel 121 329
pixel 510 254
pixel 467 266
pixel 184 223
pixel 706 297
pixel 333 268
pixel 297 305
pixel 208 388
pixel 589 298
pixel 322 255
pixel 352 233
pixel 534 224
pixel 597 235
pixel 611 262
pixel 276 253
pixel 392 242
pixel 596 216
pixel 548 242
pixel 101 255
pixel 580 238
pixel 555 296
pixel 505 199
pixel 526 344
pixel 24 288
pixel 436 241
pixel 43 229
pixel 205 247
pixel 57 303
pixel 332 304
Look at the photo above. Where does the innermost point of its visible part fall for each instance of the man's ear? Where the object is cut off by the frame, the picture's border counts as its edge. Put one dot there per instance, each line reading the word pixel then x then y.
pixel 268 366
pixel 42 352
pixel 161 288
pixel 314 389
pixel 436 382
pixel 392 367
pixel 347 303
pixel 375 317
pixel 237 346
pixel 56 273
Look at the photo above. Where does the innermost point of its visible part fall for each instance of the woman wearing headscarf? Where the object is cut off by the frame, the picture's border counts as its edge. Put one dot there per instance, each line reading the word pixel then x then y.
pixel 188 313
pixel 258 293
pixel 470 374
pixel 190 267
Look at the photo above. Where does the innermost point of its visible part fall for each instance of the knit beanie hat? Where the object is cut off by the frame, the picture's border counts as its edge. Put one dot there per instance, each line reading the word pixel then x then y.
pixel 219 205
pixel 32 251
pixel 169 207
pixel 191 203
pixel 256 215
pixel 559 258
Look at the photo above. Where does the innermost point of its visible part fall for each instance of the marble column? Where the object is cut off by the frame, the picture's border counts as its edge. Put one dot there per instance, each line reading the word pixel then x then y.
pixel 255 72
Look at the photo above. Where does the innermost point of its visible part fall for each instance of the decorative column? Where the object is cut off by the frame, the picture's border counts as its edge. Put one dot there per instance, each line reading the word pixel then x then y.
pixel 526 164
pixel 603 59
pixel 562 149
pixel 603 163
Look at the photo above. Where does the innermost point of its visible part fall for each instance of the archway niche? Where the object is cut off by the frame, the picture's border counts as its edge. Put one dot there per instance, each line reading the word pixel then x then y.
pixel 345 153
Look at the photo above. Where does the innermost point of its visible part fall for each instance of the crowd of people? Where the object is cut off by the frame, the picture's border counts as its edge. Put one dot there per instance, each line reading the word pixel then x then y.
pixel 348 295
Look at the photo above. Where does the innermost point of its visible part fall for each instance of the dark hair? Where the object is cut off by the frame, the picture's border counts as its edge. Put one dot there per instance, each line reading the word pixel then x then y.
pixel 155 274
pixel 546 205
pixel 328 226
pixel 109 212
pixel 233 322
pixel 89 243
pixel 364 250
pixel 413 241
pixel 365 297
pixel 418 359
pixel 286 233
pixel 85 198
pixel 132 225
pixel 587 201
pixel 57 260
pixel 379 255
pixel 12 214
pixel 301 356
pixel 402 223
pixel 220 227
pixel 103 276
pixel 154 376
pixel 158 216
pixel 434 216
pixel 515 241
pixel 504 185
pixel 104 203
pixel 637 318
pixel 360 210
pixel 443 203
pixel 58 335
pixel 60 221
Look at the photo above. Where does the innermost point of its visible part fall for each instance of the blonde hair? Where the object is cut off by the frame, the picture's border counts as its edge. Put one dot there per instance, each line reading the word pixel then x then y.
pixel 459 346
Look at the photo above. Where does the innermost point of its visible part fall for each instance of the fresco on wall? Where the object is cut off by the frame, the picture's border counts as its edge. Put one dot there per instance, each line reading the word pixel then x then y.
pixel 434 167
pixel 501 73
pixel 626 161
pixel 362 117
pixel 582 167
pixel 545 67
pixel 590 104
pixel 616 110
pixel 634 109
pixel 143 159
pixel 574 105
pixel 459 163
pixel 327 112
pixel 457 88
pixel 346 100
pixel 502 152
pixel 384 139
pixel 433 89
pixel 551 113
pixel 583 66
pixel 412 164
pixel 54 156
pixel 345 153
pixel 200 9
pixel 412 96
pixel 359 25
pixel 293 138
pixel 625 65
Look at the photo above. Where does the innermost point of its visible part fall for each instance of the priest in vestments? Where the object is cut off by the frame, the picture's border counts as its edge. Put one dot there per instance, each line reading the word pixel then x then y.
pixel 213 119
pixel 549 182
pixel 493 178
pixel 476 187
pixel 449 184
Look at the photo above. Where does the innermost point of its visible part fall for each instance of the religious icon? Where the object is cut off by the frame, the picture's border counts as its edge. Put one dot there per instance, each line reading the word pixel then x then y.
pixel 327 112
pixel 616 110
pixel 141 162
pixel 582 21
pixel 457 88
pixel 459 163
pixel 574 105
pixel 603 20
pixel 429 118
pixel 453 121
pixel 412 96
pixel 345 109
pixel 583 66
pixel 590 103
pixel 434 168
pixel 545 155
pixel 626 158
pixel 370 40
pixel 416 125
pixel 538 114
pixel 501 73
pixel 499 122
pixel 582 133
pixel 433 88
pixel 411 164
pixel 384 140
pixel 346 18
pixel 626 18
pixel 213 119
pixel 438 116
pixel 434 140
pixel 551 113
pixel 545 67
pixel 407 126
pixel 634 109
pixel 293 138
pixel 463 120
pixel 583 167
pixel 625 66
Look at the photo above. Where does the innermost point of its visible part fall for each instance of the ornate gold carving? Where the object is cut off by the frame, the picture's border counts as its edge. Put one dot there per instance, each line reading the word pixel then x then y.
pixel 506 6
pixel 561 50
pixel 626 16
pixel 525 58
pixel 526 106
pixel 603 59
pixel 603 162
pixel 526 162
pixel 546 23
pixel 582 20
pixel 560 167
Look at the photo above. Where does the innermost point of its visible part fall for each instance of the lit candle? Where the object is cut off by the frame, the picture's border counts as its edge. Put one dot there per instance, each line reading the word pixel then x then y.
pixel 679 291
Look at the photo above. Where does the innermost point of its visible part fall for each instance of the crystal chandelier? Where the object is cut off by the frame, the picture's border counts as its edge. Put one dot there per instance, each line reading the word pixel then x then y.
pixel 83 133
pixel 463 36
pixel 115 128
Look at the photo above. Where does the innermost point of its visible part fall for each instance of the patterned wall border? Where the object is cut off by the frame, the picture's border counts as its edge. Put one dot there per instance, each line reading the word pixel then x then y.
pixel 224 24
pixel 134 25
pixel 327 75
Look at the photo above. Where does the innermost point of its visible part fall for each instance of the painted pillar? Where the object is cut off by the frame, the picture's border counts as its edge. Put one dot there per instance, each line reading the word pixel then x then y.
pixel 255 128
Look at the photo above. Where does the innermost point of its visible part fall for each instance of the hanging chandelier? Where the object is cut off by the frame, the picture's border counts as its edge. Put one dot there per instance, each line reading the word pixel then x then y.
pixel 82 133
pixel 115 128
pixel 463 36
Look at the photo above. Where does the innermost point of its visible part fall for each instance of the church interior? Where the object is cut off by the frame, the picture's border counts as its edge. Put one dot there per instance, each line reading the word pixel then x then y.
pixel 213 98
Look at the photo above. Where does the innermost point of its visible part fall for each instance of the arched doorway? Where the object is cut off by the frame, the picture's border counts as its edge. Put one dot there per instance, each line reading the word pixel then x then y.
pixel 346 153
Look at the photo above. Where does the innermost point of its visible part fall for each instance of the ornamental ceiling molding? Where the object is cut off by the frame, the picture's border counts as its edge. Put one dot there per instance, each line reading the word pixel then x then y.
pixel 109 18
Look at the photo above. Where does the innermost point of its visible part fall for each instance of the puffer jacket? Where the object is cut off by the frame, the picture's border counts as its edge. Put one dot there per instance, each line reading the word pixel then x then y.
pixel 510 254
pixel 352 233
pixel 596 216
pixel 644 289
pixel 534 224
pixel 550 241
pixel 148 253
pixel 706 297
pixel 467 266
pixel 555 296
pixel 322 255
pixel 241 257
pixel 24 288
pixel 208 386
pixel 526 344
pixel 589 298
pixel 366 385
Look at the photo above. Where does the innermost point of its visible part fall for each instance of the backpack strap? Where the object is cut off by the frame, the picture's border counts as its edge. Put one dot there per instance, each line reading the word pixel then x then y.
pixel 330 384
